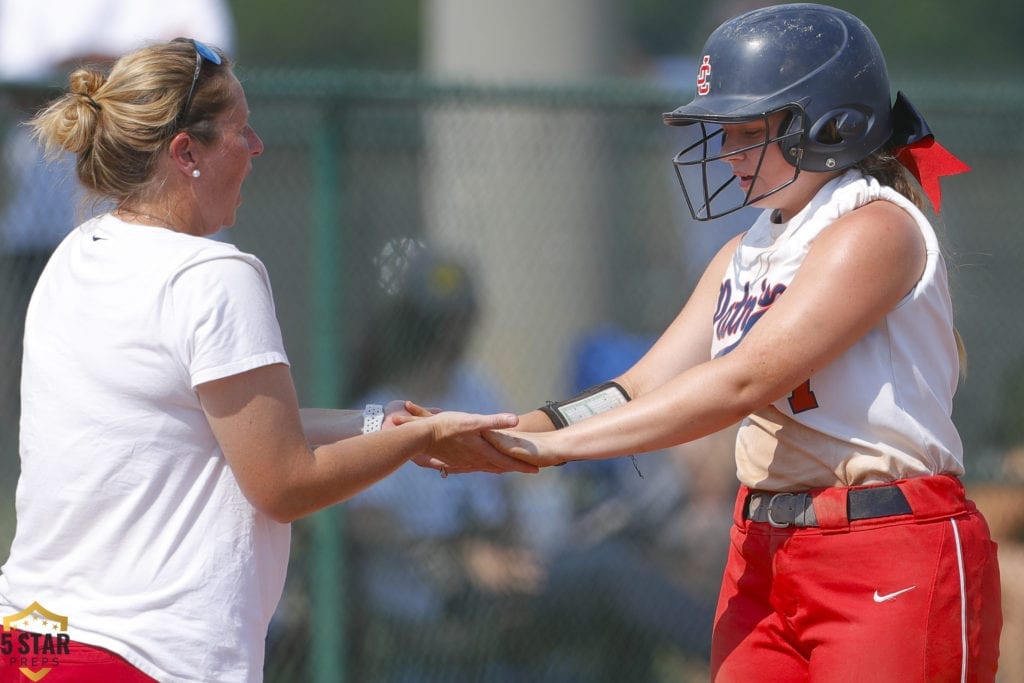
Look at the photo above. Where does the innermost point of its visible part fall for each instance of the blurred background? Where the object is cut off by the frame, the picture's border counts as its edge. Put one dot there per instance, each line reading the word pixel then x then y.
pixel 471 203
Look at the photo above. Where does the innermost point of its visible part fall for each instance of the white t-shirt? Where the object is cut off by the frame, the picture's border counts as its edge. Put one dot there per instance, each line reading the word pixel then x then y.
pixel 130 521
pixel 879 412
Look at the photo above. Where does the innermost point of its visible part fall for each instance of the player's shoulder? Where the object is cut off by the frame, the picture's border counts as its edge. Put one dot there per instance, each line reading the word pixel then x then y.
pixel 878 223
pixel 880 210
pixel 879 238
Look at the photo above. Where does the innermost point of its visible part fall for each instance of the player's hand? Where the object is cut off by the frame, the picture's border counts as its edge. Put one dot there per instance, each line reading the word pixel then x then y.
pixel 537 448
pixel 457 446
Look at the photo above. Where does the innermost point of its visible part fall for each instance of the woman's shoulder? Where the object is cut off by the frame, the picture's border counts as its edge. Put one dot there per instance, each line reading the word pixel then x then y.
pixel 216 261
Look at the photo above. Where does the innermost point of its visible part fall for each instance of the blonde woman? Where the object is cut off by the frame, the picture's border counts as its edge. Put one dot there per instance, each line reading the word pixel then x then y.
pixel 163 451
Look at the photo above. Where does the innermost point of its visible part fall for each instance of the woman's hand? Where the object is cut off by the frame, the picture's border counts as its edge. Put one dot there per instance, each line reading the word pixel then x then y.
pixel 457 446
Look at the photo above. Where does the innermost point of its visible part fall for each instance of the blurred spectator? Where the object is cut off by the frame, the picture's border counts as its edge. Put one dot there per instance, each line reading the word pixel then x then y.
pixel 635 581
pixel 433 558
pixel 600 574
pixel 40 42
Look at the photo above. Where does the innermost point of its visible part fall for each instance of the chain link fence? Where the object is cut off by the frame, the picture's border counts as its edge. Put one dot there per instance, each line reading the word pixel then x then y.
pixel 489 248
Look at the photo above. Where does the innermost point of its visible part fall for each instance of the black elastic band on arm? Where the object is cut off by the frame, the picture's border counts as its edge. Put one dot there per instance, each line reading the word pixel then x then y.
pixel 592 401
pixel 551 411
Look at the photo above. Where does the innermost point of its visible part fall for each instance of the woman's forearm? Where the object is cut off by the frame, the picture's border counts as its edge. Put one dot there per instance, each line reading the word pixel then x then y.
pixel 327 425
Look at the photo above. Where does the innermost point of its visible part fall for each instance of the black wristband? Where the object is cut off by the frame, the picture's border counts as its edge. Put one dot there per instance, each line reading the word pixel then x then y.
pixel 551 410
pixel 592 401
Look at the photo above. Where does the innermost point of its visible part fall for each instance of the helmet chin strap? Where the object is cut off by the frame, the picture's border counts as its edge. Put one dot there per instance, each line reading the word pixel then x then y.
pixel 918 151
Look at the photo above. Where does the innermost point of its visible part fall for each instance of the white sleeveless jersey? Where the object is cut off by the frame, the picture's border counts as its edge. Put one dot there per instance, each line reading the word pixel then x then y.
pixel 882 410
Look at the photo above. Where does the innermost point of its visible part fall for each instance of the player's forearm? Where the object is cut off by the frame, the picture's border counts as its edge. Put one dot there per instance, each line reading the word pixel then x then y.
pixel 600 397
pixel 700 402
pixel 535 421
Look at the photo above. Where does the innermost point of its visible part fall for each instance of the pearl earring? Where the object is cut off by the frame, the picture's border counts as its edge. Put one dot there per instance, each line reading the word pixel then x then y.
pixel 196 173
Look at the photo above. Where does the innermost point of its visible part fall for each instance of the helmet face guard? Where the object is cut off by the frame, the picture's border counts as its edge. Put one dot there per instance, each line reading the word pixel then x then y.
pixel 709 187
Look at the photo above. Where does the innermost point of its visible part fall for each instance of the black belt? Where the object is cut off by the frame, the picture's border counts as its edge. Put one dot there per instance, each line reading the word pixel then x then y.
pixel 797 509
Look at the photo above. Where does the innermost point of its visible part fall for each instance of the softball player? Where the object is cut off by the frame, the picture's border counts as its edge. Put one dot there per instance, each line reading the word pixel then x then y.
pixel 854 554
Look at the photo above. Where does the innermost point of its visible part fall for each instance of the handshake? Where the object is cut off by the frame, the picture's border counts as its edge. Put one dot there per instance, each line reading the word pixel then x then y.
pixel 466 442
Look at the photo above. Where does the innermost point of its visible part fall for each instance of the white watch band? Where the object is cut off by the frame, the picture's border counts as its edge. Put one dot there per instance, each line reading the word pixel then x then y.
pixel 373 418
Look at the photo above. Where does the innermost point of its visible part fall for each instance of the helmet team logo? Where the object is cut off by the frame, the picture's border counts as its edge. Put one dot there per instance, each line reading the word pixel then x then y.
pixel 704 76
pixel 41 637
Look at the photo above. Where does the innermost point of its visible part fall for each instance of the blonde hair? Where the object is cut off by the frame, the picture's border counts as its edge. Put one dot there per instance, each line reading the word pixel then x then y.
pixel 118 124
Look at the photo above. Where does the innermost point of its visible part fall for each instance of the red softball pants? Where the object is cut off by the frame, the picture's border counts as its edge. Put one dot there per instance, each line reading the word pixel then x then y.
pixel 904 598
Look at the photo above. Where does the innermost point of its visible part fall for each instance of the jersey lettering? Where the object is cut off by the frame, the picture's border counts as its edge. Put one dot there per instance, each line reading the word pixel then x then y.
pixel 737 315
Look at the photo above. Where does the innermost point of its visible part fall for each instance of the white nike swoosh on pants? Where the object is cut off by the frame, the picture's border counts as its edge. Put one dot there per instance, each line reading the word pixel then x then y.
pixel 890 596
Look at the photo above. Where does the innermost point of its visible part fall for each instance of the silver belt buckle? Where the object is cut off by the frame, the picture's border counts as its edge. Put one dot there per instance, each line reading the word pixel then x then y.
pixel 771 519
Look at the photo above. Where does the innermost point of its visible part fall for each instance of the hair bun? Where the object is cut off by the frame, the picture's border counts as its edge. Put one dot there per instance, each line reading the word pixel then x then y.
pixel 77 114
pixel 86 82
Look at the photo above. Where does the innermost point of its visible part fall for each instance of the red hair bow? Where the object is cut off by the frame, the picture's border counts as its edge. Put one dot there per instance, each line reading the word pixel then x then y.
pixel 918 151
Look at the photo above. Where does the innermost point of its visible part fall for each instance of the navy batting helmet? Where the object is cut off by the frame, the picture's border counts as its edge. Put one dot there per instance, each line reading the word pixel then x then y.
pixel 820 64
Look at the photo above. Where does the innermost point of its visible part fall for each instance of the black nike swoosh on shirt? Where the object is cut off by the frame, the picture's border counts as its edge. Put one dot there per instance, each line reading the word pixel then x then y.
pixel 97 239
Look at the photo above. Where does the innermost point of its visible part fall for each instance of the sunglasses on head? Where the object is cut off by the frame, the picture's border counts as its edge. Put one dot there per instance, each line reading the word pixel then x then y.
pixel 203 52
